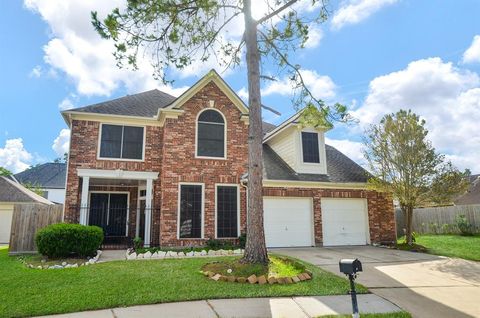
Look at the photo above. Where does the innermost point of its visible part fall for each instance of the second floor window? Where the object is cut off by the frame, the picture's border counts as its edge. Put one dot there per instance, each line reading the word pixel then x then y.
pixel 121 142
pixel 310 147
pixel 211 134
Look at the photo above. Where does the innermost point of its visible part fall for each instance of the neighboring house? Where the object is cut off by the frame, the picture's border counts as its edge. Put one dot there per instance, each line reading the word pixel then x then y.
pixel 49 177
pixel 472 196
pixel 12 193
pixel 173 171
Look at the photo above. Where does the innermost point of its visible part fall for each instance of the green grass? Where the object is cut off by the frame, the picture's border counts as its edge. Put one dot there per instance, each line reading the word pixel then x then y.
pixel 278 267
pixel 467 247
pixel 400 314
pixel 30 292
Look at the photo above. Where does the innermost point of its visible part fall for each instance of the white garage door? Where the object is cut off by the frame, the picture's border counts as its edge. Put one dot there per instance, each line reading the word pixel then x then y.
pixel 344 222
pixel 5 222
pixel 288 222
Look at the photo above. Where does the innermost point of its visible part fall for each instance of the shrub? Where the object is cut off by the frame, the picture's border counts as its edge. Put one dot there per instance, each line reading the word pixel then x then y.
pixel 219 244
pixel 64 240
pixel 242 240
pixel 137 243
pixel 464 226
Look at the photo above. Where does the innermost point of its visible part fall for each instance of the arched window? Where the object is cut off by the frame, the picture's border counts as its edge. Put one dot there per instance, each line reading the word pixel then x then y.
pixel 211 134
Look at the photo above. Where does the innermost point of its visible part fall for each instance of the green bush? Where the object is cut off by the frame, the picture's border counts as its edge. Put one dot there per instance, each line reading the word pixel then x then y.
pixel 137 243
pixel 64 240
pixel 464 226
pixel 242 240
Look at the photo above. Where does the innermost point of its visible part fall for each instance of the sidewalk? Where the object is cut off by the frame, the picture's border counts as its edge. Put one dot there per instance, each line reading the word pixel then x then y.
pixel 291 307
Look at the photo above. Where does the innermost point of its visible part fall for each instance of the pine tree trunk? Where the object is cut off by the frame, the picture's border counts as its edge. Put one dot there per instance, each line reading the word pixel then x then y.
pixel 255 248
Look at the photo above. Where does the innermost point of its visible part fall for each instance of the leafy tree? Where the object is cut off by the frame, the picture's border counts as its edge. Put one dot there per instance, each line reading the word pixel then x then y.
pixel 178 33
pixel 404 162
pixel 34 187
pixel 447 184
pixel 5 172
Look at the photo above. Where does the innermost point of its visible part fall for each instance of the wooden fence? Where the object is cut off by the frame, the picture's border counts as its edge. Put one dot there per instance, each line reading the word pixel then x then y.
pixel 439 220
pixel 27 219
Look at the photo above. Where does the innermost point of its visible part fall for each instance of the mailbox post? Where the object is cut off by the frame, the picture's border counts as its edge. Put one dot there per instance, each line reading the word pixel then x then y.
pixel 351 267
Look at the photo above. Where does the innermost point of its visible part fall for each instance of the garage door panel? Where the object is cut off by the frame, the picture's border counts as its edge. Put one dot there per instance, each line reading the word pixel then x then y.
pixel 288 222
pixel 344 222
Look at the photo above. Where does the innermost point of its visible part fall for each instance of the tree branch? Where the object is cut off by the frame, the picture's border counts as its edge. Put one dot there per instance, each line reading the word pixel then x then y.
pixel 274 13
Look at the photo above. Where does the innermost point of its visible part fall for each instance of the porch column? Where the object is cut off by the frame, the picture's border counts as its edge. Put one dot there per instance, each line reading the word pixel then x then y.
pixel 84 200
pixel 148 212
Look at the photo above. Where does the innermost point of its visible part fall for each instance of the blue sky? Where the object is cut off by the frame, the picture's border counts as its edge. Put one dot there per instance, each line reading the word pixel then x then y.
pixel 376 56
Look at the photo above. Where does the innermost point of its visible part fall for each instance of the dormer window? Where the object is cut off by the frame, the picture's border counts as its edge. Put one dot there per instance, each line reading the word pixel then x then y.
pixel 211 134
pixel 310 147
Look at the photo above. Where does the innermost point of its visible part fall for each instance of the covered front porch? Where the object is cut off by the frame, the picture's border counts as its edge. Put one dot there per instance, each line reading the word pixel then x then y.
pixel 120 202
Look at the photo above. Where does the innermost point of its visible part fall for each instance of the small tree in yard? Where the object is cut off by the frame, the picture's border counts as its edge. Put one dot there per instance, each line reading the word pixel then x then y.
pixel 404 163
pixel 177 33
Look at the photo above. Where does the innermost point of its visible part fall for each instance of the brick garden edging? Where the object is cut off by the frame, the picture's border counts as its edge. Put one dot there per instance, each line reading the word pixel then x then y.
pixel 181 254
pixel 261 280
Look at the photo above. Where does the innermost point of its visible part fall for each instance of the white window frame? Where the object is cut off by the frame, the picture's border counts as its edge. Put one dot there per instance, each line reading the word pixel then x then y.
pixel 121 145
pixel 109 192
pixel 319 147
pixel 238 207
pixel 224 136
pixel 202 233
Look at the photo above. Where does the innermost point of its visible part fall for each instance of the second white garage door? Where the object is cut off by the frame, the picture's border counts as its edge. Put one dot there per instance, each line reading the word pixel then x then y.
pixel 344 222
pixel 288 222
pixel 6 212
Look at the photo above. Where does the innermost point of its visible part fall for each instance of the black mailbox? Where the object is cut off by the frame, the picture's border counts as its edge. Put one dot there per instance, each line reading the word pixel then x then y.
pixel 350 266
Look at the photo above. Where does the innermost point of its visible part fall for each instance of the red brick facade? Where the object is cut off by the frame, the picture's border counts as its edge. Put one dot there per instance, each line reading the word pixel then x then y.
pixel 170 151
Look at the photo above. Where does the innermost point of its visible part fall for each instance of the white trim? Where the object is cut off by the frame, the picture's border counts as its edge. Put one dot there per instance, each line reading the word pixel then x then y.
pixel 224 136
pixel 116 174
pixel 238 207
pixel 313 184
pixel 202 213
pixel 286 123
pixel 108 208
pixel 137 217
pixel 121 145
pixel 211 76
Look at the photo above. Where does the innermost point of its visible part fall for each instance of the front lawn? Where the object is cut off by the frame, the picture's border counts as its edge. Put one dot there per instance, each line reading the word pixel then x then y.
pixel 467 247
pixel 30 292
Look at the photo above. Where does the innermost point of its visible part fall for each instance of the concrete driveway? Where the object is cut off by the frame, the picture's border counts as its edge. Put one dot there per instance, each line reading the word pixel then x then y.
pixel 422 284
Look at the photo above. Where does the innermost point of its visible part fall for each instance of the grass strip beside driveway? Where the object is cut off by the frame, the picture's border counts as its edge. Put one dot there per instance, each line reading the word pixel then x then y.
pixel 30 292
pixel 466 247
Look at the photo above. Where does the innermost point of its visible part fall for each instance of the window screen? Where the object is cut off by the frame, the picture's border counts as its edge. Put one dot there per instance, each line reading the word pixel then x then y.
pixel 211 134
pixel 227 211
pixel 123 142
pixel 190 211
pixel 310 147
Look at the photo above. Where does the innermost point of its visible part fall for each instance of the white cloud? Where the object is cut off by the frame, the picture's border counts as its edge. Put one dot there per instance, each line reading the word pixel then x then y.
pixel 315 35
pixel 355 11
pixel 78 51
pixel 62 142
pixel 447 97
pixel 36 71
pixel 14 156
pixel 352 149
pixel 321 86
pixel 243 93
pixel 66 104
pixel 472 54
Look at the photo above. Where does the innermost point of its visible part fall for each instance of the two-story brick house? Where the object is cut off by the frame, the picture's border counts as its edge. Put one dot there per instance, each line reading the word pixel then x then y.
pixel 173 171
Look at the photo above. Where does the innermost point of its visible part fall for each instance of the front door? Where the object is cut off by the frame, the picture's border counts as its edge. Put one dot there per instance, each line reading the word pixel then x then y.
pixel 109 211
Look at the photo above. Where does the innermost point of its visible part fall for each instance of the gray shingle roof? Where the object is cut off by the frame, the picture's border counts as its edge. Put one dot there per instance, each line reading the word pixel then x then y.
pixel 144 104
pixel 340 168
pixel 11 191
pixel 48 175
pixel 267 127
pixel 472 196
